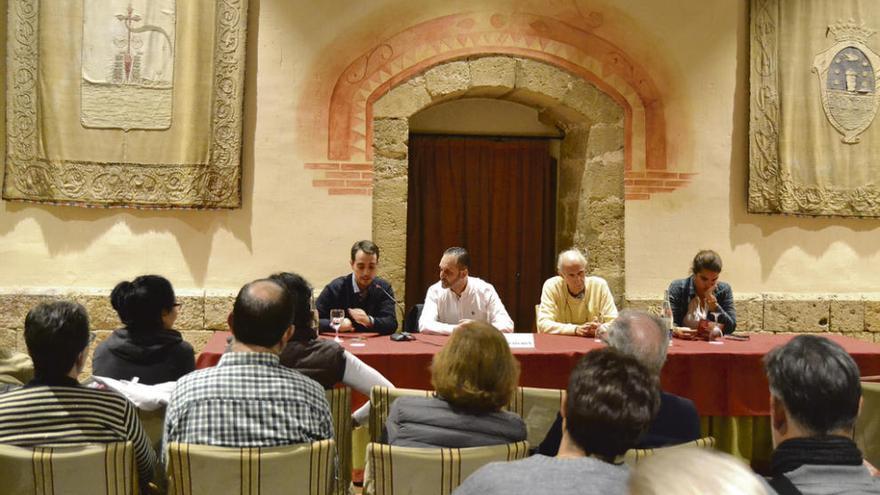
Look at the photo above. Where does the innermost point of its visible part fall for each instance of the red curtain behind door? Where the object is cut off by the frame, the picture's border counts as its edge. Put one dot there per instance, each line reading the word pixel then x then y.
pixel 496 198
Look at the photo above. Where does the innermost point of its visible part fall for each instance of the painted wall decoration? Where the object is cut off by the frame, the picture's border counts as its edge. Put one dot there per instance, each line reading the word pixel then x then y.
pixel 116 104
pixel 573 47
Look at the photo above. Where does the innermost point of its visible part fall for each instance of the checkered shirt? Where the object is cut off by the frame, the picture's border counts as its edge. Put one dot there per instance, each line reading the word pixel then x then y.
pixel 247 400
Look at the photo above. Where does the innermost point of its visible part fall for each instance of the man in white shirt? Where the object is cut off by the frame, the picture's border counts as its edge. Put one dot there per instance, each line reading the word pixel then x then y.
pixel 457 298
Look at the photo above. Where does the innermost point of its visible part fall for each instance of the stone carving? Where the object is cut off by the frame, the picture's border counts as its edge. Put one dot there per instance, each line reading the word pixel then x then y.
pixel 848 80
pixel 772 189
pixel 29 176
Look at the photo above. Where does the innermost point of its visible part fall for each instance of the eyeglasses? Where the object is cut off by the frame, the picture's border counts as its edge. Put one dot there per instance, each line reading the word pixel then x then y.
pixel 92 337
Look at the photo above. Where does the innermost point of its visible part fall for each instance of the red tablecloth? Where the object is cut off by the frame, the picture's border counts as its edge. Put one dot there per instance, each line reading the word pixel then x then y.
pixel 723 380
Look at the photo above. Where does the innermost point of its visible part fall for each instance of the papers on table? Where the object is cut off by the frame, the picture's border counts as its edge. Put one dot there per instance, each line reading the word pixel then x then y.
pixel 520 340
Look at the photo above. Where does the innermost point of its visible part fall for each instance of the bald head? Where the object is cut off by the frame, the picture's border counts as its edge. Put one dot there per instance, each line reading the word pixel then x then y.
pixel 263 311
pixel 641 335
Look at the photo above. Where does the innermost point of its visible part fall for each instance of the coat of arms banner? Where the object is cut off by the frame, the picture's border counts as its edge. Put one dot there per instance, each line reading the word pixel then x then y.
pixel 815 90
pixel 133 103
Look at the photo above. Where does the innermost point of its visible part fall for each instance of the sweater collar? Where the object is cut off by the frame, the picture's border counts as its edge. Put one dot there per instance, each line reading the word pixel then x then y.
pixel 825 450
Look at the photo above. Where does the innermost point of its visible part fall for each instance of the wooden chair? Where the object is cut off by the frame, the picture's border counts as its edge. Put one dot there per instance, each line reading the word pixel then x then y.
pixel 307 468
pixel 408 470
pixel 868 423
pixel 340 408
pixel 633 456
pixel 538 407
pixel 75 470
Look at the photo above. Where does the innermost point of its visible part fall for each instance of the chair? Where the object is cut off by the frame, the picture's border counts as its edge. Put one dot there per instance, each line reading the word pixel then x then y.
pixel 306 468
pixel 381 399
pixel 340 408
pixel 74 470
pixel 868 423
pixel 411 322
pixel 407 470
pixel 538 407
pixel 153 423
pixel 633 456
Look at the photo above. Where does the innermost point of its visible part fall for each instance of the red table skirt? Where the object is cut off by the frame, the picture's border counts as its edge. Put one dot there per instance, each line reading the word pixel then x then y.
pixel 722 380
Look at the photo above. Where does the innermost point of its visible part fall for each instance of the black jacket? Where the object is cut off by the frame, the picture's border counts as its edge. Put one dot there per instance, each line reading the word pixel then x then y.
pixel 339 294
pixel 152 356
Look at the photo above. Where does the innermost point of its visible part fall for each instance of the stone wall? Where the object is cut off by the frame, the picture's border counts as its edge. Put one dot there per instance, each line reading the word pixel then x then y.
pixel 856 315
pixel 590 200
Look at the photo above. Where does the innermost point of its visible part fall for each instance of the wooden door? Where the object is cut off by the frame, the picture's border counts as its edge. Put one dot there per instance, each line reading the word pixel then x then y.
pixel 495 197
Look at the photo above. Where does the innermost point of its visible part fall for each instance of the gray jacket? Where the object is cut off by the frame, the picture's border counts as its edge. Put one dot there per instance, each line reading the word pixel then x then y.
pixel 547 475
pixel 432 422
pixel 812 479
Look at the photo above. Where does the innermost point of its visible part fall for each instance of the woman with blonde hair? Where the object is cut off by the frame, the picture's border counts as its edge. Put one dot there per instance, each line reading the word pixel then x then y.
pixel 474 376
pixel 694 471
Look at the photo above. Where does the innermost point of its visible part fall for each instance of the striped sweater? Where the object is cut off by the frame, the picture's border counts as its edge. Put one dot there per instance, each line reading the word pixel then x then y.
pixel 53 416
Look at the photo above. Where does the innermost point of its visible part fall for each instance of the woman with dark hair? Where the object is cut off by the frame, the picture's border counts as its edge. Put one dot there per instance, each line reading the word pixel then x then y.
pixel 701 294
pixel 323 360
pixel 147 347
pixel 474 376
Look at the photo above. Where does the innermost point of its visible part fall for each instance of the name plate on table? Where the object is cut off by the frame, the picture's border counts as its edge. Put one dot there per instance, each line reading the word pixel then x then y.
pixel 520 340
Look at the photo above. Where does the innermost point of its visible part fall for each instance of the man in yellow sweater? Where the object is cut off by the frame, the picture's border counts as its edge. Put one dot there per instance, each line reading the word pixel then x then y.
pixel 573 303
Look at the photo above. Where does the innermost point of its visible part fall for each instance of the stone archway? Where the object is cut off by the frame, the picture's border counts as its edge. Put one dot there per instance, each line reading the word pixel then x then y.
pixel 590 198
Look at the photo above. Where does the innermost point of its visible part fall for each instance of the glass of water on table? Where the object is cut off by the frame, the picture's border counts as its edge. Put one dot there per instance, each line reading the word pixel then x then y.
pixel 336 317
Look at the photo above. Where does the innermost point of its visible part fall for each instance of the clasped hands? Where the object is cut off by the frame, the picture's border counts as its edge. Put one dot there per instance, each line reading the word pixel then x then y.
pixel 356 315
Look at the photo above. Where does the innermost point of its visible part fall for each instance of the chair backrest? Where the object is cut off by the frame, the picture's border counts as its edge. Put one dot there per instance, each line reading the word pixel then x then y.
pixel 307 468
pixel 633 456
pixel 74 470
pixel 340 408
pixel 538 407
pixel 868 423
pixel 407 470
pixel 381 399
pixel 411 322
pixel 153 423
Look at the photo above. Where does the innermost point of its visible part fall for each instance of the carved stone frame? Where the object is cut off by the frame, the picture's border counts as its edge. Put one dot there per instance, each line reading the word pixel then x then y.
pixel 772 189
pixel 31 177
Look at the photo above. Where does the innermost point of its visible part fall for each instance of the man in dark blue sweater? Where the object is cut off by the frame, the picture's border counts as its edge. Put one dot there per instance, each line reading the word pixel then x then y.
pixel 368 300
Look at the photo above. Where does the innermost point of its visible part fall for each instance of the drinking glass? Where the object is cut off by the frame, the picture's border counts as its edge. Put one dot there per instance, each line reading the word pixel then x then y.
pixel 336 317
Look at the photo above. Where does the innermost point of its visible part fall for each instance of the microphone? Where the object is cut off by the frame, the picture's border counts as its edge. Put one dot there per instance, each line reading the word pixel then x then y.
pixel 399 334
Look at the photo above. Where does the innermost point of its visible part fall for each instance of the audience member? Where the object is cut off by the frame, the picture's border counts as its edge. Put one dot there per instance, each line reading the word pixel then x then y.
pixel 147 348
pixel 323 360
pixel 16 369
pixel 642 336
pixel 458 298
pixel 52 408
pixel 573 303
pixel 249 399
pixel 474 376
pixel 696 297
pixel 368 299
pixel 815 397
pixel 610 401
pixel 694 471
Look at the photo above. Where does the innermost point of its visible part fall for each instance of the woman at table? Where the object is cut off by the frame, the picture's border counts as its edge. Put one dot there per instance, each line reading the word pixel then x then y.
pixel 701 296
pixel 147 347
pixel 323 360
pixel 474 376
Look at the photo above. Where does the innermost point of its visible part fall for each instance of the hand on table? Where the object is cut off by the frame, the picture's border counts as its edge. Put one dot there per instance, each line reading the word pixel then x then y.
pixel 588 329
pixel 360 316
pixel 346 326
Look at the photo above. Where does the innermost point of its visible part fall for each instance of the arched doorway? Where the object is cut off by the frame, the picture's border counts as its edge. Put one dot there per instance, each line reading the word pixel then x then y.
pixel 590 192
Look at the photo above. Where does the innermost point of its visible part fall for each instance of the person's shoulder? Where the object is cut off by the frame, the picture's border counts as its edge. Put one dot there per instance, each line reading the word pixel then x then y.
pixel 678 403
pixel 436 288
pixel 338 282
pixel 552 282
pixel 596 280
pixel 382 283
pixel 723 287
pixel 678 284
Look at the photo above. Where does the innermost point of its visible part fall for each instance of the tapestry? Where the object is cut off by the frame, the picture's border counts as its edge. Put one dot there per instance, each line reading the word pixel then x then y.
pixel 814 145
pixel 125 103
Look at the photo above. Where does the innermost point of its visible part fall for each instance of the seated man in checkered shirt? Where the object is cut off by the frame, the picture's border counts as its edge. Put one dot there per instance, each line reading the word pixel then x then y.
pixel 249 399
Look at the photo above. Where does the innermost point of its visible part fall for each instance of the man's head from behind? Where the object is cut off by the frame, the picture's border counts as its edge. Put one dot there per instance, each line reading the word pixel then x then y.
pixel 641 335
pixel 262 313
pixel 611 401
pixel 56 334
pixel 814 388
